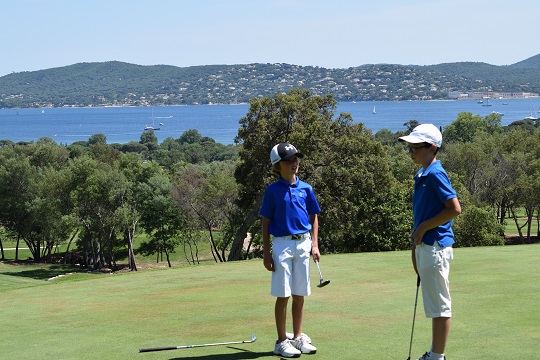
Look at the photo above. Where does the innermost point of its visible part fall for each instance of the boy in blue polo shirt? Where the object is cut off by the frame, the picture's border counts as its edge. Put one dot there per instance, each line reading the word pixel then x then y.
pixel 435 205
pixel 289 210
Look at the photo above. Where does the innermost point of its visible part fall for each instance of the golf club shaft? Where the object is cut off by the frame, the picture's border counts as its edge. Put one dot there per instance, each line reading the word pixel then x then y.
pixel 319 268
pixel 414 315
pixel 253 338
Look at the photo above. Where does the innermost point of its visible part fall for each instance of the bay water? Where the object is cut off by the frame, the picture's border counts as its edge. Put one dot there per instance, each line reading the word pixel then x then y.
pixel 221 122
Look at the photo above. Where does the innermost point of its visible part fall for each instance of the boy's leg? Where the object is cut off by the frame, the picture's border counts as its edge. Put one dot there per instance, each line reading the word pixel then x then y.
pixel 433 264
pixel 300 341
pixel 282 254
pixel 283 346
pixel 297 314
pixel 440 331
pixel 281 317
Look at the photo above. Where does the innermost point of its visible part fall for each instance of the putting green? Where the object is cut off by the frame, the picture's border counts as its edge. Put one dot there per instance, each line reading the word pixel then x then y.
pixel 365 312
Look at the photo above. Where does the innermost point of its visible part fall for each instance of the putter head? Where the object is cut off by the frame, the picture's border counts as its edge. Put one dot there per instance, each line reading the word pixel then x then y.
pixel 323 283
pixel 253 338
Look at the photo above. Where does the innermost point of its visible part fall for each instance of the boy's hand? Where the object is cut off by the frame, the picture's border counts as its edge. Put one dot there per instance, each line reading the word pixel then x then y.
pixel 268 262
pixel 418 235
pixel 315 253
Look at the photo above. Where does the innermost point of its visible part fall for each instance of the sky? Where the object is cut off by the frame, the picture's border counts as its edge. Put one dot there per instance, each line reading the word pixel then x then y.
pixel 43 34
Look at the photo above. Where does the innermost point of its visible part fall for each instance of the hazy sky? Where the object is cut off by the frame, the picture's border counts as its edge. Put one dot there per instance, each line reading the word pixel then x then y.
pixel 42 34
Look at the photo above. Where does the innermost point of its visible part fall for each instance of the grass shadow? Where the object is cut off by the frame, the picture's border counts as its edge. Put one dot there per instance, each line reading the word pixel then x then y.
pixel 45 273
pixel 241 355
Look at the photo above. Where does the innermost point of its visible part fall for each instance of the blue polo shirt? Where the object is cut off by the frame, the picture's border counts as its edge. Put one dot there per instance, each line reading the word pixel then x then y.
pixel 431 189
pixel 288 207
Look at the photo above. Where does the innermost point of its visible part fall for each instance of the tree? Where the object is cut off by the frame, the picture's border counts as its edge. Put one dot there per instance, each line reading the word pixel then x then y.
pixel 104 153
pixel 346 166
pixel 466 127
pixel 162 219
pixel 15 178
pixel 191 136
pixel 410 125
pixel 129 213
pixel 149 139
pixel 35 193
pixel 364 208
pixel 97 138
pixel 460 157
pixel 51 220
pixel 284 118
pixel 98 191
pixel 478 227
pixel 386 137
pixel 206 194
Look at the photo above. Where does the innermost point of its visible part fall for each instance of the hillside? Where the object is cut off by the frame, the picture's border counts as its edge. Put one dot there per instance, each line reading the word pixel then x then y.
pixel 116 83
pixel 530 63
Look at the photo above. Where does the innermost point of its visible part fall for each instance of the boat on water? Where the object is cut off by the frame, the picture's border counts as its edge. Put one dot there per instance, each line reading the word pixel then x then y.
pixel 486 103
pixel 153 127
pixel 374 111
pixel 497 113
pixel 532 117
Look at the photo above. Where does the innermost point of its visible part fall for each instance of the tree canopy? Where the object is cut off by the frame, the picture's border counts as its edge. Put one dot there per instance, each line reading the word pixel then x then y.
pixel 96 197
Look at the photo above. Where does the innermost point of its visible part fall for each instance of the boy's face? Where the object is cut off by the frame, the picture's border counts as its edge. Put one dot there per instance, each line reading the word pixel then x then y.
pixel 421 153
pixel 289 167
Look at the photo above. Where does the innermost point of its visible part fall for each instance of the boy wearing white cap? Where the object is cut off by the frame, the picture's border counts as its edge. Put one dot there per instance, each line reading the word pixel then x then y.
pixel 435 205
pixel 289 210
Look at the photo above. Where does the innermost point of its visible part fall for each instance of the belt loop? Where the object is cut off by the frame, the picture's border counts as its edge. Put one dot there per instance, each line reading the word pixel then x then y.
pixel 295 237
pixel 299 236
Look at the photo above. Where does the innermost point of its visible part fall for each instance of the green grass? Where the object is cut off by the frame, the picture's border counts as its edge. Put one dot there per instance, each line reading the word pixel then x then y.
pixel 511 227
pixel 178 258
pixel 365 312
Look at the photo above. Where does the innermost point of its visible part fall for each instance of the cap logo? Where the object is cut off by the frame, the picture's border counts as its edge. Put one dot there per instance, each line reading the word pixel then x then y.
pixel 289 147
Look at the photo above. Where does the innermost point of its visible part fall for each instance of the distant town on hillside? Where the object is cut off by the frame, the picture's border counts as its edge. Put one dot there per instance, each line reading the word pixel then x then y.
pixel 121 84
pixel 457 95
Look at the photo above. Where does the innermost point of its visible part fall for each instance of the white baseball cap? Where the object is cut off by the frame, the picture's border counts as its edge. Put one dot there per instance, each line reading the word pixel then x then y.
pixel 427 133
pixel 283 152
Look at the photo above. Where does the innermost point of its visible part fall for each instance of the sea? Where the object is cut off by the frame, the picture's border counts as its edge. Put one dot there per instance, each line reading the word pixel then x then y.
pixel 221 122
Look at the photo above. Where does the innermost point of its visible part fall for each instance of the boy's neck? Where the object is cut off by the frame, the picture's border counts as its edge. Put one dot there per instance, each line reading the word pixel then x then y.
pixel 290 179
pixel 426 165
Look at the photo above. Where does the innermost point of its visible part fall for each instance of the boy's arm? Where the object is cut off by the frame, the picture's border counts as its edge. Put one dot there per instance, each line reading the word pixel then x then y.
pixel 267 255
pixel 413 256
pixel 451 210
pixel 314 220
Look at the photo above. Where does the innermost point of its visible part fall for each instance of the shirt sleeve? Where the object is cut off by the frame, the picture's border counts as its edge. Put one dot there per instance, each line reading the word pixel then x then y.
pixel 266 207
pixel 445 191
pixel 312 205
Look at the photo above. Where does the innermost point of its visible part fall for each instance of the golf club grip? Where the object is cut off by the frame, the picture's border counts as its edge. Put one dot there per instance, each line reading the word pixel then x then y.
pixel 158 349
pixel 417 280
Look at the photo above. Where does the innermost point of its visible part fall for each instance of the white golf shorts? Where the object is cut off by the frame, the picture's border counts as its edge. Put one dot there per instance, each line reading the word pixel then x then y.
pixel 291 267
pixel 433 265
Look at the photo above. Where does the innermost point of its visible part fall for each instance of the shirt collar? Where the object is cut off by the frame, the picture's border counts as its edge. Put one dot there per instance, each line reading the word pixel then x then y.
pixel 430 168
pixel 288 184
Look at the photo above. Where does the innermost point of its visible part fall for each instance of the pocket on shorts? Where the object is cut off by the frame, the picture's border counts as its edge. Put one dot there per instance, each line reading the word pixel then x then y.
pixel 442 259
pixel 429 257
pixel 306 247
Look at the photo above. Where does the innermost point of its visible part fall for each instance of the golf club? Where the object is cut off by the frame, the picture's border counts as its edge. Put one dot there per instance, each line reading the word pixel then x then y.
pixel 322 283
pixel 414 316
pixel 253 338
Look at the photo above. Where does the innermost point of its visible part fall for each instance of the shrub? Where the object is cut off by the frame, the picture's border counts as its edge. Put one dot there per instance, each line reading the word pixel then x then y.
pixel 478 227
